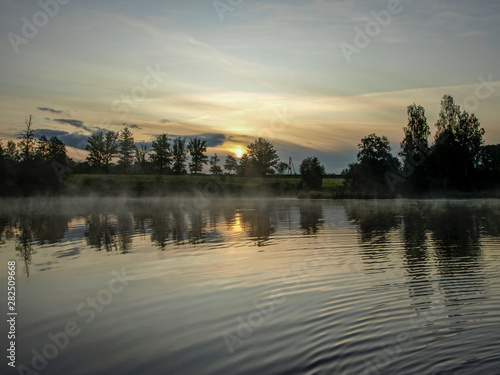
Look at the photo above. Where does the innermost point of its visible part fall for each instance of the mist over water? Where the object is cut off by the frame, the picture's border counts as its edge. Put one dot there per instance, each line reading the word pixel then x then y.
pixel 256 286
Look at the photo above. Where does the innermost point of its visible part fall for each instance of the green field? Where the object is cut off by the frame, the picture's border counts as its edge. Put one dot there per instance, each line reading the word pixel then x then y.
pixel 146 185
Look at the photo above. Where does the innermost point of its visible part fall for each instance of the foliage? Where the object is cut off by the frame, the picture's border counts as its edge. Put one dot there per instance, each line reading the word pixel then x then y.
pixel 126 150
pixel 102 147
pixel 374 162
pixel 161 154
pixel 262 156
pixel 179 153
pixel 311 172
pixel 197 148
pixel 231 164
pixel 214 165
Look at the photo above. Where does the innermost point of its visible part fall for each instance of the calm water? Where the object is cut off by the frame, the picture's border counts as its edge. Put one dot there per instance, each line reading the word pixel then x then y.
pixel 254 286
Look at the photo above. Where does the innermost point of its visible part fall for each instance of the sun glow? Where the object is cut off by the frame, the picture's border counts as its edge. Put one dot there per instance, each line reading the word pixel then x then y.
pixel 238 152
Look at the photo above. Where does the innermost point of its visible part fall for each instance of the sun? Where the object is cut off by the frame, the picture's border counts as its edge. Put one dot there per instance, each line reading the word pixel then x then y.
pixel 238 152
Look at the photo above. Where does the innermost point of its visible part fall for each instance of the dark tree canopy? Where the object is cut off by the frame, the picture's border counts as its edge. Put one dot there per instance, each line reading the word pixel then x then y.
pixel 312 172
pixel 161 154
pixel 126 150
pixel 179 154
pixel 197 149
pixel 263 157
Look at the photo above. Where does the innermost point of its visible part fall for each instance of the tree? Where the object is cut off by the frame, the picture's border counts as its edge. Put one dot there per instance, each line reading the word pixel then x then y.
pixel 281 168
pixel 126 150
pixel 27 143
pixel 459 138
pixel 263 156
pixel 42 149
pixel 57 151
pixel 180 156
pixel 197 148
pixel 12 152
pixel 375 162
pixel 214 165
pixel 231 164
pixel 311 173
pixel 416 133
pixel 102 147
pixel 161 154
pixel 141 157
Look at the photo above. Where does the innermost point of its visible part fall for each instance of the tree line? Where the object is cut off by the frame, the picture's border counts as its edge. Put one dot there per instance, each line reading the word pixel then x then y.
pixel 458 160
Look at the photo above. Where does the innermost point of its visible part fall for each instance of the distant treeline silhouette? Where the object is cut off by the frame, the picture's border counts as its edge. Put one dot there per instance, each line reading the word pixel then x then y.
pixel 458 160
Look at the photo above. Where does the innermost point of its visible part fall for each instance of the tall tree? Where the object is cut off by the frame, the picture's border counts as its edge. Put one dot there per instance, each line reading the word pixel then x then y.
pixel 180 156
pixel 57 151
pixel 141 156
pixel 161 154
pixel 416 133
pixel 27 143
pixel 214 165
pixel 102 147
pixel 459 138
pixel 375 161
pixel 197 149
pixel 263 156
pixel 311 173
pixel 126 150
pixel 231 164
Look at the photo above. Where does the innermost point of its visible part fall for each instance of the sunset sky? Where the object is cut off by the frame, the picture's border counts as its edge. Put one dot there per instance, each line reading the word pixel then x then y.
pixel 298 73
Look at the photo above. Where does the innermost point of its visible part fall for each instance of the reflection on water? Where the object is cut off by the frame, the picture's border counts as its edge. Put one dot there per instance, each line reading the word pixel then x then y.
pixel 427 270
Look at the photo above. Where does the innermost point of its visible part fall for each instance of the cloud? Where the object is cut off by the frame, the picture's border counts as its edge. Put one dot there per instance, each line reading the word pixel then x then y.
pixel 51 110
pixel 76 123
pixel 132 126
pixel 76 140
pixel 212 139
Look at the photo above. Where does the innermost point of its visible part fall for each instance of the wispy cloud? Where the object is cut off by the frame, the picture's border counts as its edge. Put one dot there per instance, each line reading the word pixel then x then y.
pixel 76 123
pixel 52 110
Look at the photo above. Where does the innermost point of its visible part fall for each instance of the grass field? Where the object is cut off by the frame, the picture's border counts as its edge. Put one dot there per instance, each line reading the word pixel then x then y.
pixel 113 184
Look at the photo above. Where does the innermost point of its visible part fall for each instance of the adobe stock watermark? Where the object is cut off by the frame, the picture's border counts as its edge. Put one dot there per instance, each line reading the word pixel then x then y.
pixel 222 7
pixel 484 90
pixel 88 309
pixel 139 93
pixel 265 308
pixel 29 29
pixel 278 123
pixel 392 351
pixel 372 29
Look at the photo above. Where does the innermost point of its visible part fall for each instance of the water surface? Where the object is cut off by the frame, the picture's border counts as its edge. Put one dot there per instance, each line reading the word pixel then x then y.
pixel 158 286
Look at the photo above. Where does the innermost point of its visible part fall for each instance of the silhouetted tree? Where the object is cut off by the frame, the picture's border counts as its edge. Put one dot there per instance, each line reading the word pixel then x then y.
pixel 141 157
pixel 263 156
pixel 102 147
pixel 231 164
pixel 126 150
pixel 281 168
pixel 161 154
pixel 311 173
pixel 27 143
pixel 375 161
pixel 179 152
pixel 197 148
pixel 214 165
pixel 459 138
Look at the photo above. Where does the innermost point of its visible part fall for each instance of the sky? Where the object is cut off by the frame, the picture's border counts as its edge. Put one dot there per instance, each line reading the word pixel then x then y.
pixel 313 77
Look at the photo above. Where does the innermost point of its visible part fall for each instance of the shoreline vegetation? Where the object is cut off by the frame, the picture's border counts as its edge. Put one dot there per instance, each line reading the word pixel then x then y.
pixel 456 165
